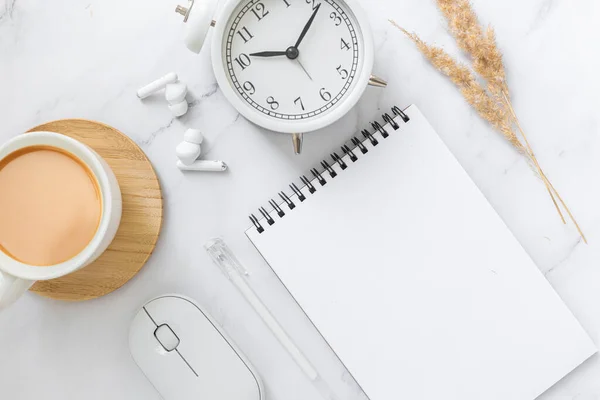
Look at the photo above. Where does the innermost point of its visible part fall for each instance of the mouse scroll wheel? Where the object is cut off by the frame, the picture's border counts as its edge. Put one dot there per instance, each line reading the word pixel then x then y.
pixel 166 337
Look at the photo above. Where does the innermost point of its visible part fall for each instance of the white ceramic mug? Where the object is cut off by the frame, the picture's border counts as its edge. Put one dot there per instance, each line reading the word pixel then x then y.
pixel 15 277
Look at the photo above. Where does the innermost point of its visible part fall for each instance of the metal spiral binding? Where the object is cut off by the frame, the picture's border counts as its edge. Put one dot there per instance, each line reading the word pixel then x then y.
pixel 397 111
pixel 318 176
pixel 376 125
pixel 371 138
pixel 350 153
pixel 389 120
pixel 309 185
pixel 331 171
pixel 265 214
pixel 360 145
pixel 339 160
pixel 277 209
pixel 297 192
pixel 257 224
pixel 287 200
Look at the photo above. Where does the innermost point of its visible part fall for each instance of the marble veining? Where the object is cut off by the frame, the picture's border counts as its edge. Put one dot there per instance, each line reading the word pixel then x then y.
pixel 73 59
pixel 544 10
pixel 8 9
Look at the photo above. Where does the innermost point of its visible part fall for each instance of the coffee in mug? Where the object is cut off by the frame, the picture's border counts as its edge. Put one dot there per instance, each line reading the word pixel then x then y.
pixel 50 206
pixel 60 208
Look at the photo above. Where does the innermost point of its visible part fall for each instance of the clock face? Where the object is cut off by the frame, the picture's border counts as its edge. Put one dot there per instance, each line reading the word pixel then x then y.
pixel 292 60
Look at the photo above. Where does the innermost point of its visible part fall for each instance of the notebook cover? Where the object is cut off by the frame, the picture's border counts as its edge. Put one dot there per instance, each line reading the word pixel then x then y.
pixel 415 281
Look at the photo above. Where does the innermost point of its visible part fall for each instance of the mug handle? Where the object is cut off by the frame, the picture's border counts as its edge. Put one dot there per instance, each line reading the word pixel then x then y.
pixel 11 288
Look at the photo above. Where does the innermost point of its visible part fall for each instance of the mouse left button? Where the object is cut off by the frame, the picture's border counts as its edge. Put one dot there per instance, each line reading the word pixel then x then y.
pixel 167 372
pixel 166 337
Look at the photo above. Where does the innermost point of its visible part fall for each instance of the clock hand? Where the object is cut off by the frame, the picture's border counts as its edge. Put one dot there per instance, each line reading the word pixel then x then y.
pixel 304 69
pixel 292 53
pixel 269 54
pixel 307 26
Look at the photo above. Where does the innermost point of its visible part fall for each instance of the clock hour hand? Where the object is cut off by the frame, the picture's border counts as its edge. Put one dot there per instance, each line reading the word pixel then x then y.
pixel 307 26
pixel 268 54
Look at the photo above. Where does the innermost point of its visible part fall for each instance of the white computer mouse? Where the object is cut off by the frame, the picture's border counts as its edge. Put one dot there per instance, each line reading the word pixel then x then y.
pixel 185 355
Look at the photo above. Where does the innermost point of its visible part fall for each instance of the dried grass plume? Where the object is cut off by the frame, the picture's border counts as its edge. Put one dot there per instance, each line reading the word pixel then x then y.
pixel 492 102
pixel 479 45
pixel 472 91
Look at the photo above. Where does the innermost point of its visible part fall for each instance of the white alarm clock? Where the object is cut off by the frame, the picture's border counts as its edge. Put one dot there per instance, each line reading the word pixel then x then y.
pixel 290 66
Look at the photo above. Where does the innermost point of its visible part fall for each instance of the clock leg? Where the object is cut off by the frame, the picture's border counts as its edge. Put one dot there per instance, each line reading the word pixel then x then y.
pixel 377 81
pixel 297 139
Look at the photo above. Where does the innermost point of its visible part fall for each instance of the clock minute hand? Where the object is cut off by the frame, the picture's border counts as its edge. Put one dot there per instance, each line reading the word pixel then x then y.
pixel 268 54
pixel 307 26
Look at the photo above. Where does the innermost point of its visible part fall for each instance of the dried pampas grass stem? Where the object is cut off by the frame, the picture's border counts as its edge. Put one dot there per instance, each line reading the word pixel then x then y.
pixel 481 47
pixel 486 57
pixel 543 175
pixel 463 24
pixel 466 82
pixel 492 102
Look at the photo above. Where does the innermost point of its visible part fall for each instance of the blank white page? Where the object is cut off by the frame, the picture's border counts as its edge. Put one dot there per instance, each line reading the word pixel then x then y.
pixel 415 281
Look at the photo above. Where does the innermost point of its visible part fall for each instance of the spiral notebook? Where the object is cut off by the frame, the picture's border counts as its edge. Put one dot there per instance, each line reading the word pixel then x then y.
pixel 411 276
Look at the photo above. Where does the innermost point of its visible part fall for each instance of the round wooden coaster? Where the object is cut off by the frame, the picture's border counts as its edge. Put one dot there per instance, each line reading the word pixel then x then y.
pixel 140 223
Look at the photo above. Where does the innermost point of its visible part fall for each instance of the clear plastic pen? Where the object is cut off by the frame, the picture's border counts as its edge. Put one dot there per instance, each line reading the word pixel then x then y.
pixel 236 273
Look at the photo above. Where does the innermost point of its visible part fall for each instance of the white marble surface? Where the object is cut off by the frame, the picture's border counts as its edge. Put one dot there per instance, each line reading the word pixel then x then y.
pixel 85 59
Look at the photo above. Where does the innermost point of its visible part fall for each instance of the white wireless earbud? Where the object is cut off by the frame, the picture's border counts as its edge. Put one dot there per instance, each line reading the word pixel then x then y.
pixel 179 109
pixel 203 166
pixel 193 136
pixel 157 85
pixel 189 150
pixel 175 93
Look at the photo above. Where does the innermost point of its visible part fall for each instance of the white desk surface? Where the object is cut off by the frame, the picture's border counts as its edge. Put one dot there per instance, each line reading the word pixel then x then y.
pixel 86 59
